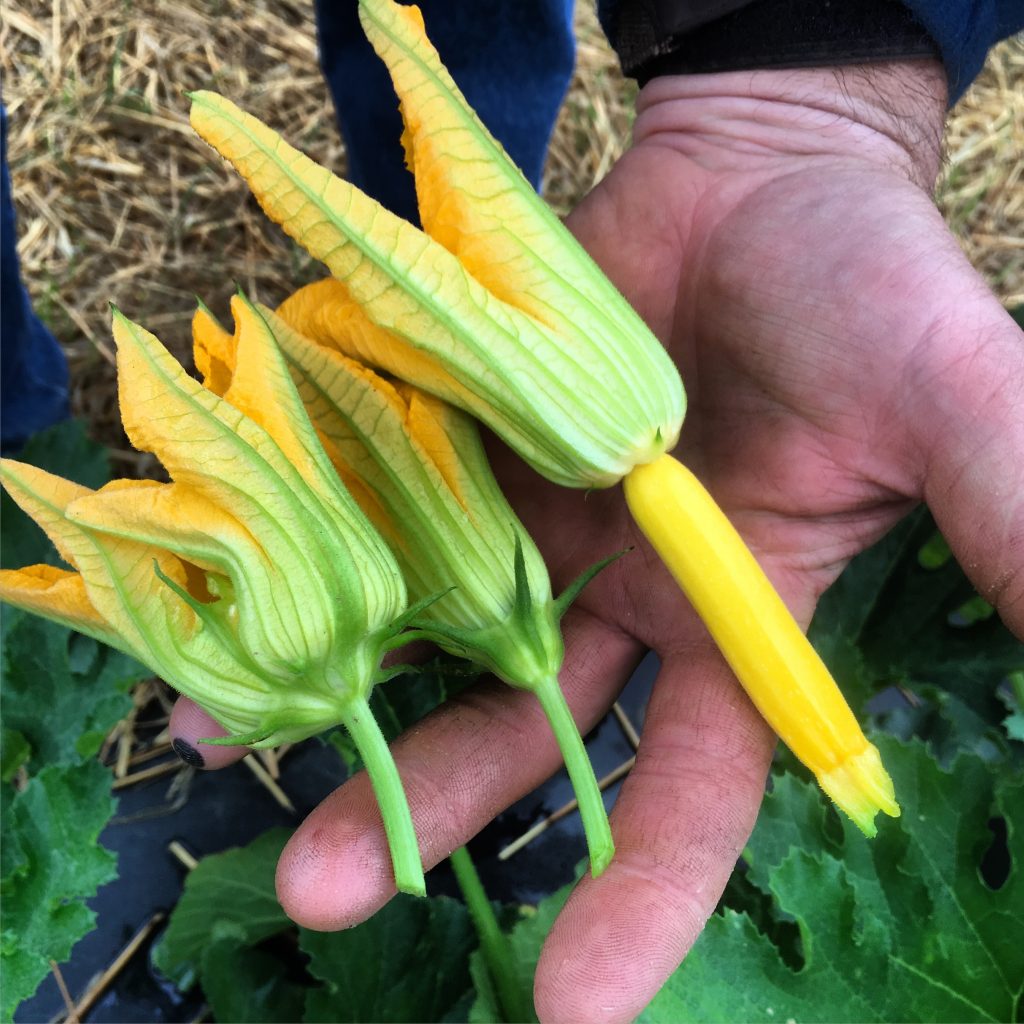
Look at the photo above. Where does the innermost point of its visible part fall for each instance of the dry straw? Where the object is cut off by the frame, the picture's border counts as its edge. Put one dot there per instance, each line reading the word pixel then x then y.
pixel 118 202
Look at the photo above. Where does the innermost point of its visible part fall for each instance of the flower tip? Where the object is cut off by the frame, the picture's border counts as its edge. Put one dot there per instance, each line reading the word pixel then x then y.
pixel 861 787
pixel 120 326
pixel 245 301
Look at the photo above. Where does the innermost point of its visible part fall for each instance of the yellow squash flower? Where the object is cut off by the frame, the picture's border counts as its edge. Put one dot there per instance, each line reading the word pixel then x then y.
pixel 252 583
pixel 494 307
pixel 418 469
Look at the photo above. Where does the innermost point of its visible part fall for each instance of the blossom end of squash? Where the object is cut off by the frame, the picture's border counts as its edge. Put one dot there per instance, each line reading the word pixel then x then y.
pixel 861 787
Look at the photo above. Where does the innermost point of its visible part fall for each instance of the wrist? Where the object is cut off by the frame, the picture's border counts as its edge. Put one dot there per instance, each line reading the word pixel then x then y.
pixel 886 113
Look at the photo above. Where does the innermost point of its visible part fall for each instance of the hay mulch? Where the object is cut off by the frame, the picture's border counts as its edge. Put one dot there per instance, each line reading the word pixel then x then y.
pixel 119 202
pixel 981 192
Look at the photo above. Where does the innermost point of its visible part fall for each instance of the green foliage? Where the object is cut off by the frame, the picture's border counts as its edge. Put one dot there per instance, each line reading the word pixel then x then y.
pixel 904 615
pixel 1013 698
pixel 245 984
pixel 81 683
pixel 228 895
pixel 904 927
pixel 14 752
pixel 409 962
pixel 51 863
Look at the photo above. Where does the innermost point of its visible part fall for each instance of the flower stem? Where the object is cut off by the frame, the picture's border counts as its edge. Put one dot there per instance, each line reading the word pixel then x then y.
pixel 493 942
pixel 581 774
pixel 387 787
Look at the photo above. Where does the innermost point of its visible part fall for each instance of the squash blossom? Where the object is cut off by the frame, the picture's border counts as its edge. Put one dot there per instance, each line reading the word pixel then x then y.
pixel 418 469
pixel 494 307
pixel 253 583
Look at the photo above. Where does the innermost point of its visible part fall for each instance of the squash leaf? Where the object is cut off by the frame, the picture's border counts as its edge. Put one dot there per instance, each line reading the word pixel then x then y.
pixel 409 962
pixel 51 864
pixel 228 895
pixel 245 984
pixel 920 924
pixel 903 614
pixel 81 683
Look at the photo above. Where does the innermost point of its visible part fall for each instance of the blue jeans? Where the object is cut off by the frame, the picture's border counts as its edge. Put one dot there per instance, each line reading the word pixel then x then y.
pixel 513 61
pixel 33 371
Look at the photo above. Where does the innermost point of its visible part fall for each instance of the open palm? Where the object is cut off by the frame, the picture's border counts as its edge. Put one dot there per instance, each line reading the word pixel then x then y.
pixel 842 362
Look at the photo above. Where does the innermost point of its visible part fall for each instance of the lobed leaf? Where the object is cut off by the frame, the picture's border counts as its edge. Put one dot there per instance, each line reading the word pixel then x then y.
pixel 904 928
pixel 51 864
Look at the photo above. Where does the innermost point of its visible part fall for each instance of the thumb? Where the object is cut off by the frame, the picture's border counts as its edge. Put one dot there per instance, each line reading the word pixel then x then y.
pixel 970 427
pixel 189 725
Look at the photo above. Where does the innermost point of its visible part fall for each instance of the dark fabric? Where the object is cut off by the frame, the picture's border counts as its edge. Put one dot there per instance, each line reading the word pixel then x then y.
pixel 792 33
pixel 512 60
pixel 964 31
pixel 795 33
pixel 647 28
pixel 33 371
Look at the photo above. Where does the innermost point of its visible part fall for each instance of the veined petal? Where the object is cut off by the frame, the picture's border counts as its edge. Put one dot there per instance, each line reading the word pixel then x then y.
pixel 44 497
pixel 176 517
pixel 449 522
pixel 326 313
pixel 477 204
pixel 263 389
pixel 213 351
pixel 206 443
pixel 56 594
pixel 115 586
pixel 525 379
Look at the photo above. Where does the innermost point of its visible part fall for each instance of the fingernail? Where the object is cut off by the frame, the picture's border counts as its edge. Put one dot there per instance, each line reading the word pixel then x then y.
pixel 188 754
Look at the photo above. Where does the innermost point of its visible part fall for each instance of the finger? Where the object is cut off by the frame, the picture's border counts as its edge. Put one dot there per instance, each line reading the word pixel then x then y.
pixel 680 822
pixel 970 414
pixel 189 725
pixel 461 766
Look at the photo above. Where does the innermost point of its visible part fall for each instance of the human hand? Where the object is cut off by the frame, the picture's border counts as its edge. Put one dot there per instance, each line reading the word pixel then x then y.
pixel 842 362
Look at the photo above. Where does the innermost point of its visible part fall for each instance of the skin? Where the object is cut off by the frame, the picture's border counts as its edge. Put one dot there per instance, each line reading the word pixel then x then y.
pixel 843 362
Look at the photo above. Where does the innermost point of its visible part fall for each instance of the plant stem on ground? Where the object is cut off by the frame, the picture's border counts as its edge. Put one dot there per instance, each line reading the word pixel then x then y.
pixel 515 1005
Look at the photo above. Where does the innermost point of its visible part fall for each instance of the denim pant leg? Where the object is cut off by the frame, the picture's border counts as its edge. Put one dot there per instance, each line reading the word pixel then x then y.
pixel 33 371
pixel 512 59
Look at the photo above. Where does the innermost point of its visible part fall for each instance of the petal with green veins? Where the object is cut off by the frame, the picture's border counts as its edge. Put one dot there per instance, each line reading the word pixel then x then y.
pixel 209 445
pixel 44 497
pixel 261 387
pixel 477 204
pixel 516 373
pixel 59 595
pixel 177 518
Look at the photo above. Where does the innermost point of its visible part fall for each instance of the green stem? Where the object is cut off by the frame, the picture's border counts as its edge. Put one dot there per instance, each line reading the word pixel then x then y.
pixel 515 1006
pixel 1017 685
pixel 581 774
pixel 387 787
